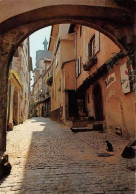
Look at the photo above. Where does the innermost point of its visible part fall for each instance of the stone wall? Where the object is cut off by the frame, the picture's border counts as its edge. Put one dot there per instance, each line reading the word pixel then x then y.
pixel 57 114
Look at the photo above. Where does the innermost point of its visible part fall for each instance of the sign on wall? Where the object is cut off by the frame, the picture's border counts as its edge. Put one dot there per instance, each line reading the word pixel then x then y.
pixel 110 79
pixel 124 79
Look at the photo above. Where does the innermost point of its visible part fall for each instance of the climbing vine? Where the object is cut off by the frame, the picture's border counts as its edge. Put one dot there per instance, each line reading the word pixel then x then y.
pixel 91 61
pixel 115 59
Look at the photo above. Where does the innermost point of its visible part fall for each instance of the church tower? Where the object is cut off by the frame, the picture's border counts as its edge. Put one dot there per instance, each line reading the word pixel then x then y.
pixel 45 43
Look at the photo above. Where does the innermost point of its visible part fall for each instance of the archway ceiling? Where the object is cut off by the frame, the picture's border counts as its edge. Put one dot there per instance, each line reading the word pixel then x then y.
pixel 12 8
pixel 15 13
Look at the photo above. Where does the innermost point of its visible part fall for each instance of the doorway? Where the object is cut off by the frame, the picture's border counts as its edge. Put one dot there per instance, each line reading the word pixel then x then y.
pixel 98 102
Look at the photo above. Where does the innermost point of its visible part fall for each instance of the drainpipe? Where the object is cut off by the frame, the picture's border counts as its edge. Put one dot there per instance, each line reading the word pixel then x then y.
pixel 75 59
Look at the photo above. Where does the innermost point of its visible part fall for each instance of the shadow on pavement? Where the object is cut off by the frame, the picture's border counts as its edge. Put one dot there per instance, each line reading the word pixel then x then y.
pixel 53 160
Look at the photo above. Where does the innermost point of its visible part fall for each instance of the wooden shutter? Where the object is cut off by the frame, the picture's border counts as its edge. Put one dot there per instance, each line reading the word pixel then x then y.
pixel 79 65
pixel 97 42
pixel 87 52
pixel 77 68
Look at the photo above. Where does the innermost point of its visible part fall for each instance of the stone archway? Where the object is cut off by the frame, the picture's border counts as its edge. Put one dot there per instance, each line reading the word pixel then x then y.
pixel 16 24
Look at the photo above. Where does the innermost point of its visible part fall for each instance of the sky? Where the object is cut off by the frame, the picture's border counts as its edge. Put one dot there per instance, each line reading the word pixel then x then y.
pixel 36 42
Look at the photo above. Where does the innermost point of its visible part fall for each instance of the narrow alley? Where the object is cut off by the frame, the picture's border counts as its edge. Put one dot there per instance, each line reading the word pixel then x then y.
pixel 47 157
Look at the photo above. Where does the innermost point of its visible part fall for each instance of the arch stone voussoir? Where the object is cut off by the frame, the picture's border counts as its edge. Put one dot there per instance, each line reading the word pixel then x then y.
pixel 119 35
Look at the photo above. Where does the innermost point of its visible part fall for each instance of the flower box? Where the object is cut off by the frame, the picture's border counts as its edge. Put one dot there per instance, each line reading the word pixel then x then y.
pixel 92 61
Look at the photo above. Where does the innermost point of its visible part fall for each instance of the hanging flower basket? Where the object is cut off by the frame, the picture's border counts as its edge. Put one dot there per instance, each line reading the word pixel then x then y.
pixel 92 61
pixel 49 81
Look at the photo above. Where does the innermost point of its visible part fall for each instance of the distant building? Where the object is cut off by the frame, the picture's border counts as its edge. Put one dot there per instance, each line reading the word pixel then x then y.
pixel 41 94
pixel 19 85
pixel 41 55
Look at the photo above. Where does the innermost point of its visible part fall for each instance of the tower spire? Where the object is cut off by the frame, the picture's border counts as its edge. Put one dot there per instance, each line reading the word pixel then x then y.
pixel 45 43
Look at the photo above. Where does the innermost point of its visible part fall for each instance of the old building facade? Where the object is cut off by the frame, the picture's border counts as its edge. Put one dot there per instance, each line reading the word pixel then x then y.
pixel 92 81
pixel 19 86
pixel 62 48
pixel 108 87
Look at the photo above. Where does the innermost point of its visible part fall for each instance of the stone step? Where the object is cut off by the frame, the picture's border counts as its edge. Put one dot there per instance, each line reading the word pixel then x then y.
pixel 95 122
pixel 81 118
pixel 80 123
pixel 81 129
pixel 96 125
pixel 88 127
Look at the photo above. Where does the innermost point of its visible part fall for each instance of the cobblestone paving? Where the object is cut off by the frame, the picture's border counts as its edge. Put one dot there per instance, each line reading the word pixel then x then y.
pixel 47 157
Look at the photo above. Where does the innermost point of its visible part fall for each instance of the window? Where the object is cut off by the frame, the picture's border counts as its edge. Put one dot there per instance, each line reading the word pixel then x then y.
pixel 93 47
pixel 78 67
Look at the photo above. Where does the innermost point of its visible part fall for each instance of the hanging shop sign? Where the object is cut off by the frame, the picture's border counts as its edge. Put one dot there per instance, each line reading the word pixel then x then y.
pixel 110 79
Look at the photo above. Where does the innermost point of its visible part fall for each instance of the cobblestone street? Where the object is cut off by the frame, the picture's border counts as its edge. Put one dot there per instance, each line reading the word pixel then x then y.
pixel 47 157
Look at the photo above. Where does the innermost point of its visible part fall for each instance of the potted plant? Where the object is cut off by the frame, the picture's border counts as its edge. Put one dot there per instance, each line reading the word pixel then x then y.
pixel 49 81
pixel 91 61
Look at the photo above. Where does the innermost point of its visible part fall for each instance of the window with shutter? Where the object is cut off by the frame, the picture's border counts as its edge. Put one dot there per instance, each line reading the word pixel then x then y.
pixel 91 47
